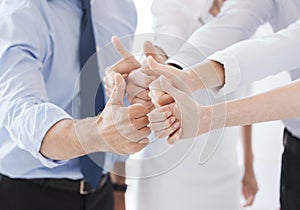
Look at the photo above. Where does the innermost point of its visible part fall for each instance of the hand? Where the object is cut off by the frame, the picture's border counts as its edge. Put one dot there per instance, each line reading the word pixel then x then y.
pixel 123 67
pixel 119 200
pixel 249 188
pixel 124 129
pixel 155 52
pixel 139 81
pixel 184 109
pixel 178 78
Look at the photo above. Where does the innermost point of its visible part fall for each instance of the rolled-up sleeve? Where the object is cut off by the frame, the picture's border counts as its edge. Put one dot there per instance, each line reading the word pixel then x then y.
pixel 253 60
pixel 25 110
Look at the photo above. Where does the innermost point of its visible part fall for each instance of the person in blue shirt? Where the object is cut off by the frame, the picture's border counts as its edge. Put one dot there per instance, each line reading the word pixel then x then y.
pixel 44 45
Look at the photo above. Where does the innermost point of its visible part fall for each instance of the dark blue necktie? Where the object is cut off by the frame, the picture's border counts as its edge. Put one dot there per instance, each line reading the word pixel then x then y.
pixel 91 92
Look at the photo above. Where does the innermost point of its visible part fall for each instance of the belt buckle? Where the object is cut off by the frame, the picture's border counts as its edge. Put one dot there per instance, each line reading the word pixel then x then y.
pixel 82 188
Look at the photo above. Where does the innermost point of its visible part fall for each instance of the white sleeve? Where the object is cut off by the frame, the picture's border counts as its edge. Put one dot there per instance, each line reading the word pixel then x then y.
pixel 175 20
pixel 252 60
pixel 237 21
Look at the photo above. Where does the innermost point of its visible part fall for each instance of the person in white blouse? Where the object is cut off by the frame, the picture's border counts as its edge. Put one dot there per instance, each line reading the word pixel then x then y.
pixel 243 63
pixel 174 22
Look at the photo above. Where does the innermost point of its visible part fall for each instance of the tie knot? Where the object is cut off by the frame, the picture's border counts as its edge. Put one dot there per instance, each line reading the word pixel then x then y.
pixel 86 4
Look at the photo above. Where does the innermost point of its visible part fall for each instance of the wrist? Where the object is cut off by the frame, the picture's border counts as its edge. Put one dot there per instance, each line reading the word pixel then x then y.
pixel 61 141
pixel 208 74
pixel 248 163
pixel 88 135
pixel 205 113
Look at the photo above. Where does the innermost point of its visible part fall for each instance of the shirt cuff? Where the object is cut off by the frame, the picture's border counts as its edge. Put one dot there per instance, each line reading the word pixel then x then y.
pixel 187 58
pixel 54 115
pixel 232 73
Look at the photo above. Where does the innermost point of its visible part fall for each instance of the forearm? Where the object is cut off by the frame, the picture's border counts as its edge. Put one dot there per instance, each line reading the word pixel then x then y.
pixel 247 146
pixel 208 74
pixel 68 139
pixel 237 21
pixel 118 173
pixel 281 103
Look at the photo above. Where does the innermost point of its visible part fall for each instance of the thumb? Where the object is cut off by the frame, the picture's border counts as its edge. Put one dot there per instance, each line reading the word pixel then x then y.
pixel 118 91
pixel 153 65
pixel 118 45
pixel 149 49
pixel 171 90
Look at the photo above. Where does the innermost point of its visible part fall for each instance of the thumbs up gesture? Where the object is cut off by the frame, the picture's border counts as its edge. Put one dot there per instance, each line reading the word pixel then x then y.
pixel 181 119
pixel 123 129
pixel 137 80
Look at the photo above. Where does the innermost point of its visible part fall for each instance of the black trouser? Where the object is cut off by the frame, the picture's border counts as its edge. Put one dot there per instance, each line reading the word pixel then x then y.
pixel 290 173
pixel 20 194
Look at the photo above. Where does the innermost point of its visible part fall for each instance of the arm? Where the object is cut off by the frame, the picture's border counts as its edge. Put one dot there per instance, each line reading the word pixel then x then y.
pixel 240 64
pixel 277 52
pixel 249 184
pixel 237 21
pixel 117 129
pixel 264 107
pixel 118 178
pixel 26 111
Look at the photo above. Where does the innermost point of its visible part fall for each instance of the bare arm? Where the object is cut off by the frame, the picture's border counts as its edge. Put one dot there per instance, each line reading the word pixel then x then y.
pixel 277 104
pixel 249 183
pixel 281 103
pixel 118 178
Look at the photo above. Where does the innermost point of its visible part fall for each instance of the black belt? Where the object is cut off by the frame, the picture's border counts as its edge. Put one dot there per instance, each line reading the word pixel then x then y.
pixel 80 186
pixel 291 142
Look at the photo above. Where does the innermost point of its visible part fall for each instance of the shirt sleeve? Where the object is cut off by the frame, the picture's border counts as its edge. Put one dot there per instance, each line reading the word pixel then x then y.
pixel 237 21
pixel 25 110
pixel 252 60
pixel 175 20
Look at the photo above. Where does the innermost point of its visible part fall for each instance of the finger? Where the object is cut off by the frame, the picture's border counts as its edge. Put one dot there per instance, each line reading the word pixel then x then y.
pixel 143 141
pixel 108 89
pixel 137 100
pixel 118 91
pixel 136 111
pixel 157 69
pixel 175 136
pixel 249 201
pixel 153 97
pixel 176 94
pixel 149 49
pixel 165 99
pixel 109 78
pixel 142 133
pixel 135 91
pixel 162 125
pixel 141 79
pixel 168 132
pixel 145 129
pixel 140 123
pixel 118 45
pixel 125 66
pixel 158 116
pixel 141 145
pixel 143 94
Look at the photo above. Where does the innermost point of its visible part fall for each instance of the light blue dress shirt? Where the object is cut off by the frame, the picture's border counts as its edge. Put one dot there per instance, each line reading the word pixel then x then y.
pixel 39 66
